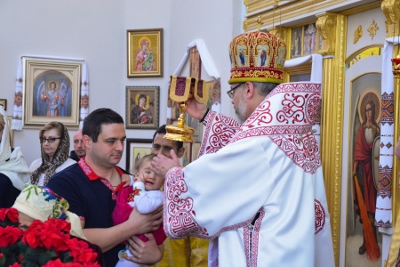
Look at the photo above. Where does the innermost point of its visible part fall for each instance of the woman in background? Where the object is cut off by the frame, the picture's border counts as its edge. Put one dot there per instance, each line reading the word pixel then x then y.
pixel 14 171
pixel 54 143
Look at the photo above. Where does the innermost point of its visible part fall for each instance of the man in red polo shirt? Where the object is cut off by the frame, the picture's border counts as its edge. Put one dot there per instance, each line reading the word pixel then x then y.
pixel 89 187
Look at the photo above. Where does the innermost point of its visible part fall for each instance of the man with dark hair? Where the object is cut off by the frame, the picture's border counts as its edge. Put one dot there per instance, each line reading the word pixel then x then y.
pixel 89 187
pixel 164 146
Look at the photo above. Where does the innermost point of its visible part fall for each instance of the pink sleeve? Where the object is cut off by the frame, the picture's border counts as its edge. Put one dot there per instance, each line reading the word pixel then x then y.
pixel 122 209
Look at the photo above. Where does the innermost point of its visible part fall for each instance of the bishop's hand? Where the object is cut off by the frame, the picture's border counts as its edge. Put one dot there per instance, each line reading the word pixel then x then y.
pixel 162 164
pixel 195 109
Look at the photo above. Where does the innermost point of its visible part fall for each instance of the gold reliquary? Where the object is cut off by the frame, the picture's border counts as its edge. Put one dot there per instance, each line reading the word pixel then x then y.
pixel 181 89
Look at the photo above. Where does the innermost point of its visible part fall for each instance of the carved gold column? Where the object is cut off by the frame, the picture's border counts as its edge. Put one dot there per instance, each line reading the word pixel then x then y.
pixel 332 28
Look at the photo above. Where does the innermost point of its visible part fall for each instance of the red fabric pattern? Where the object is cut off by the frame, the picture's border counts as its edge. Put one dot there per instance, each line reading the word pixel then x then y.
pixel 290 126
pixel 219 133
pixel 320 216
pixel 181 213
pixel 90 173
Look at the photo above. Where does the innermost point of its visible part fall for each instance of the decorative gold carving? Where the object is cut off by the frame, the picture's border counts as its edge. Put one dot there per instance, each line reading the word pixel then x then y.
pixel 245 24
pixel 363 6
pixel 291 10
pixel 391 9
pixel 387 27
pixel 326 25
pixel 255 5
pixel 259 23
pixel 373 28
pixel 280 32
pixel 357 34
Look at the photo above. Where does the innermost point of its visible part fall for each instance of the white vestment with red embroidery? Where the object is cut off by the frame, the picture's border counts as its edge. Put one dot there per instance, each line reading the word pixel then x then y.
pixel 268 165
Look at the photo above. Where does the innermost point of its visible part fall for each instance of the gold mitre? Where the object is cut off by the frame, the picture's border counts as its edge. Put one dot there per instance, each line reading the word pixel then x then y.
pixel 257 57
pixel 180 90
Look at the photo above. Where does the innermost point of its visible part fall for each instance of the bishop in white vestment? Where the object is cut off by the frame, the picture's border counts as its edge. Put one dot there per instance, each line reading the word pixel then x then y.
pixel 257 189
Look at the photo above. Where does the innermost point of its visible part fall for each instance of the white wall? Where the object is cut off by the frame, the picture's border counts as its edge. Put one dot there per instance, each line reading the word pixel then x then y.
pixel 95 30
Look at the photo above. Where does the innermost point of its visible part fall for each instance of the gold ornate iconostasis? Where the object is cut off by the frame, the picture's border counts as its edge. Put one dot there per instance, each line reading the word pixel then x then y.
pixel 350 37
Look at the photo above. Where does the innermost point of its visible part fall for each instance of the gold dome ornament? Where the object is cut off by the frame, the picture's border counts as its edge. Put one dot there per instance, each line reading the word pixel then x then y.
pixel 181 89
pixel 180 131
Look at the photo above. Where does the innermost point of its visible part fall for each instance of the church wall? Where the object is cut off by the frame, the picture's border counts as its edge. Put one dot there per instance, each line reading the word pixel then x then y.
pixel 365 19
pixel 95 31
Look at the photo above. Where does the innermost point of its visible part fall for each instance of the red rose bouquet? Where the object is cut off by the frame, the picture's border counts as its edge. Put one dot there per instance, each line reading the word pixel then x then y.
pixel 46 243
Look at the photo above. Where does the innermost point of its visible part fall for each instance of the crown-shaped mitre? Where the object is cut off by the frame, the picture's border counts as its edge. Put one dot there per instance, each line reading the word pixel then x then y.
pixel 257 57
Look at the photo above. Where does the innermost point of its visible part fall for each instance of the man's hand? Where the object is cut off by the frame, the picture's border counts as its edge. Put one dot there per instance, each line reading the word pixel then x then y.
pixel 195 109
pixel 144 252
pixel 162 164
pixel 145 223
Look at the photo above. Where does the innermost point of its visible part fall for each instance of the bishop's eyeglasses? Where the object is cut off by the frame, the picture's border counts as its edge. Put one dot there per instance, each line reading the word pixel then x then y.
pixel 231 93
pixel 50 139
